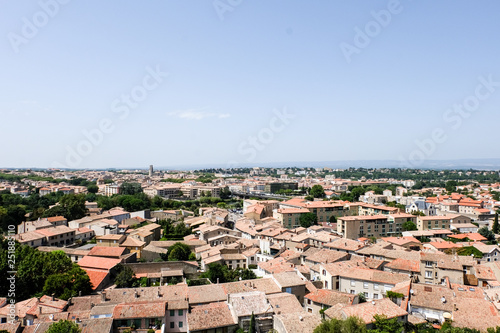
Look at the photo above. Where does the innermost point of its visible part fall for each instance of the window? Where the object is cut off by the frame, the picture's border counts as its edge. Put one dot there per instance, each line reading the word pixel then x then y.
pixel 172 313
pixel 326 284
pixel 179 313
pixel 171 324
pixel 353 283
pixel 428 274
pixel 365 285
pixel 375 286
pixel 428 264
pixel 324 272
pixel 308 301
pixel 366 294
pixel 375 296
pixel 353 291
pixel 181 324
pixel 288 290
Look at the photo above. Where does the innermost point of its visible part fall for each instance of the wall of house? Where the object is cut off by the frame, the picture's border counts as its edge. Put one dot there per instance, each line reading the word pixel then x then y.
pixel 372 290
pixel 178 318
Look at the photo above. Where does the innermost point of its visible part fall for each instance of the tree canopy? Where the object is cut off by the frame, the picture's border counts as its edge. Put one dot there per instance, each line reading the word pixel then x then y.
pixel 349 325
pixel 178 252
pixel 495 228
pixel 130 188
pixel 125 277
pixel 42 273
pixel 308 219
pixel 409 226
pixel 64 326
pixel 317 191
pixel 221 273
pixel 485 232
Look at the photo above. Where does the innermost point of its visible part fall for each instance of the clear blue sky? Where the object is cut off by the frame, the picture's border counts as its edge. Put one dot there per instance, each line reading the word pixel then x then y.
pixel 227 77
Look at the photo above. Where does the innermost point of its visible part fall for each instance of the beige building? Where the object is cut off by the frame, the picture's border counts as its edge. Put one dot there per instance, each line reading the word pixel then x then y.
pixel 164 191
pixel 110 240
pixel 433 222
pixel 372 283
pixel 436 267
pixel 58 236
pixel 290 217
pixel 354 227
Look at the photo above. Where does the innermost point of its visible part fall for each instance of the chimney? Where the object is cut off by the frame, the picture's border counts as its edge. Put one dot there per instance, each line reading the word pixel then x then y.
pixel 136 294
pixel 40 309
pixel 53 297
pixel 103 296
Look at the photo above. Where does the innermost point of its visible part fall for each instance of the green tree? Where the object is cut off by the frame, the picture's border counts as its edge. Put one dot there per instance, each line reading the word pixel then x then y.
pixel 64 326
pixel 251 326
pixel 130 188
pixel 125 277
pixel 333 219
pixel 71 206
pixel 93 188
pixel 216 273
pixel 68 284
pixel 495 228
pixel 361 298
pixel 409 226
pixel 384 325
pixel 485 232
pixel 14 215
pixel 317 191
pixel 35 268
pixel 451 185
pixel 308 219
pixel 225 193
pixel 179 252
pixel 349 325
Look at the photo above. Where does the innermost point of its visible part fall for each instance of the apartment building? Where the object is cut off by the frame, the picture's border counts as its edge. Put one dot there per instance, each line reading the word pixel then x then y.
pixel 436 267
pixel 433 222
pixel 275 187
pixel 165 191
pixel 290 217
pixel 373 284
pixel 354 227
pixel 110 189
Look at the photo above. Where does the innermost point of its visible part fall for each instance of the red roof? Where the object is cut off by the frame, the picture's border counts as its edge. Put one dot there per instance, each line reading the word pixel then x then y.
pixel 106 251
pixel 472 236
pixel 96 276
pixel 98 262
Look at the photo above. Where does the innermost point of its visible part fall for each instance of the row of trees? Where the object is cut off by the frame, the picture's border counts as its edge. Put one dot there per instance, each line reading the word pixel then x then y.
pixel 42 273
pixel 13 208
pixel 140 201
pixel 221 273
pixel 384 325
